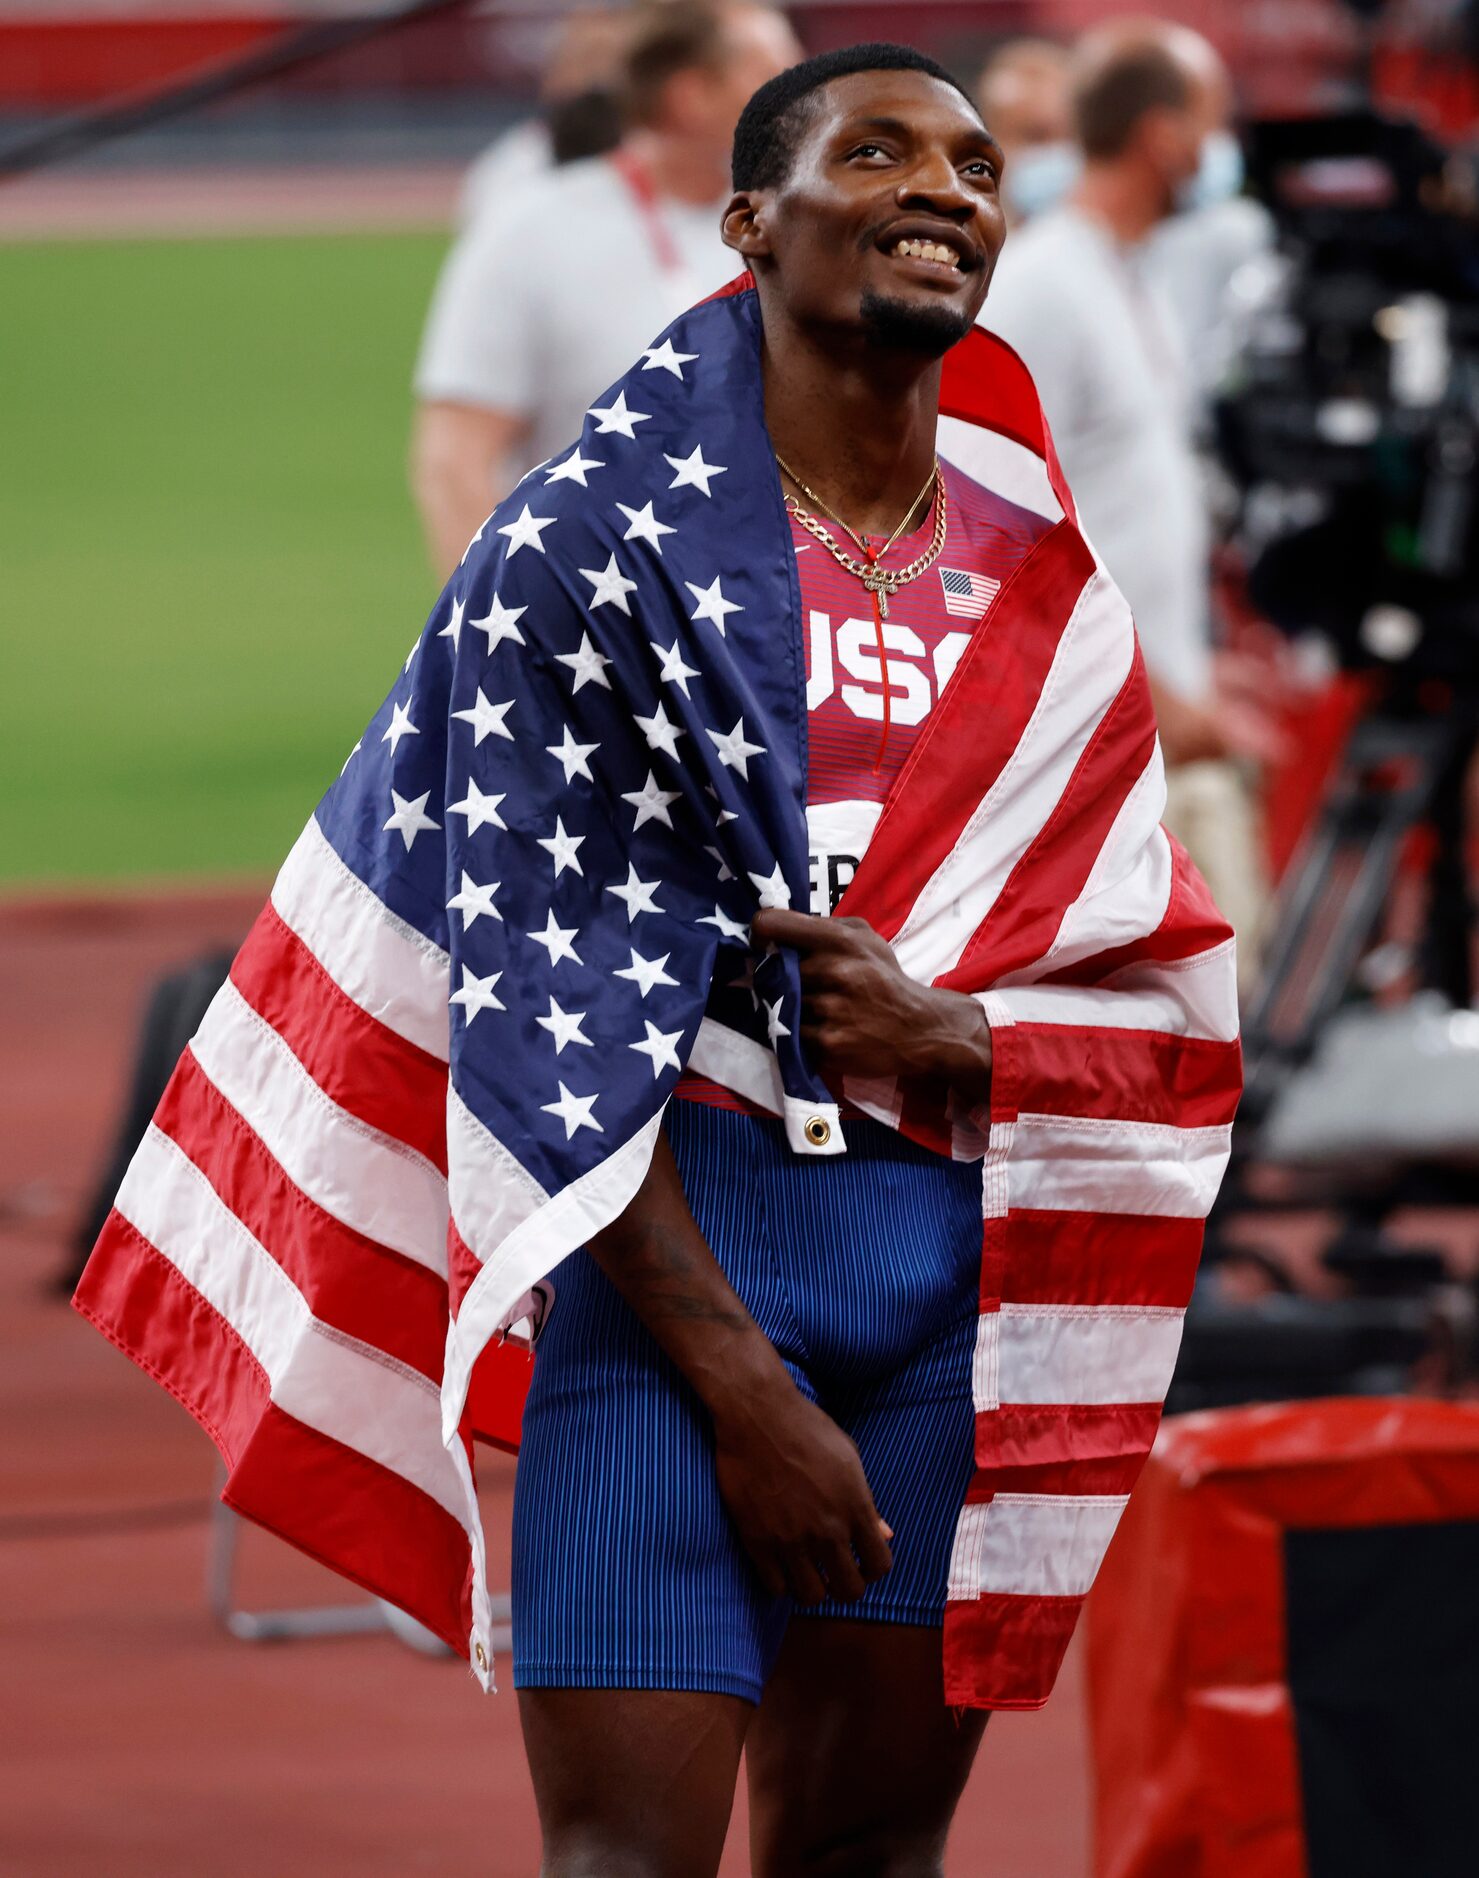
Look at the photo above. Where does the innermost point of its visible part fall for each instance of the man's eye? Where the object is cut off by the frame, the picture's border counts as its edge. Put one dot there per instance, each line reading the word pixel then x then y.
pixel 981 167
pixel 869 150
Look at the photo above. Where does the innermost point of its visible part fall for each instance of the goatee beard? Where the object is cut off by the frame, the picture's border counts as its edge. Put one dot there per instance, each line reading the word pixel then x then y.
pixel 907 326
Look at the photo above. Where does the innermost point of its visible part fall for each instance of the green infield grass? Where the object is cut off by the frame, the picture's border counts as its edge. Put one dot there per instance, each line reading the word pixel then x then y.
pixel 209 564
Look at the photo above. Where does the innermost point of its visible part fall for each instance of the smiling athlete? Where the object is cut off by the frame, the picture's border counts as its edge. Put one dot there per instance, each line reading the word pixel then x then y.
pixel 774 1354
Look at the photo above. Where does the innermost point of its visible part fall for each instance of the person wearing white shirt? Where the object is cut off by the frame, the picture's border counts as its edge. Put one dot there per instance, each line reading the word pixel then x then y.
pixel 540 305
pixel 1075 295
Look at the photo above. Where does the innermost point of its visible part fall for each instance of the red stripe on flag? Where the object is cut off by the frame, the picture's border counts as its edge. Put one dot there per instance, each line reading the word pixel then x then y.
pixel 998 1645
pixel 351 1282
pixel 140 1301
pixel 1114 1075
pixel 355 1516
pixel 1050 876
pixel 1098 1258
pixel 1071 1447
pixel 985 382
pixel 972 733
pixel 354 1058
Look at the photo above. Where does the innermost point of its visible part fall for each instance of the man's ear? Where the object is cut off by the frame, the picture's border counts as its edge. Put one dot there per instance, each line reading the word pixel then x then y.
pixel 743 226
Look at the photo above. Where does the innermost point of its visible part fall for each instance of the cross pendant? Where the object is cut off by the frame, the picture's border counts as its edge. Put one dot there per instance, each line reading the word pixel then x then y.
pixel 879 590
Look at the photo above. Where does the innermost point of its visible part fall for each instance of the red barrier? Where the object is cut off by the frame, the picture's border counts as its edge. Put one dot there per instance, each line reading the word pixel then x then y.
pixel 1212 1759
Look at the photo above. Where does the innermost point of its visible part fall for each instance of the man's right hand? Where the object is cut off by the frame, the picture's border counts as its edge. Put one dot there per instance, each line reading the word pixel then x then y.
pixel 794 1486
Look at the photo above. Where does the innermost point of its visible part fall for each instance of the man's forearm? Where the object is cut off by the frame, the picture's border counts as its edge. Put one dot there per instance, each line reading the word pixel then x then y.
pixel 658 1260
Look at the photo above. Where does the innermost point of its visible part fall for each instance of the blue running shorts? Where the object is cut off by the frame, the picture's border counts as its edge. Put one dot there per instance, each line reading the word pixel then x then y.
pixel 864 1272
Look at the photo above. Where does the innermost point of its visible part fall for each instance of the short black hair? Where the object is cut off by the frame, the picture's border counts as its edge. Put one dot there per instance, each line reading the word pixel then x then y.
pixel 771 125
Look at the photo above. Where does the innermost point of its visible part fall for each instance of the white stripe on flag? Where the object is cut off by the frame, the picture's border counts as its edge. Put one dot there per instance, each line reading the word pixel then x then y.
pixel 327 1380
pixel 1193 997
pixel 1099 639
pixel 1126 894
pixel 387 967
pixel 998 463
pixel 1043 1545
pixel 366 1179
pixel 1082 1164
pixel 1086 1353
pixel 491 1191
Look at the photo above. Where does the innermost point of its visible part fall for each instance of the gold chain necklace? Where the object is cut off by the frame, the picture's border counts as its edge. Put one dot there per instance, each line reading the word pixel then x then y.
pixel 881 582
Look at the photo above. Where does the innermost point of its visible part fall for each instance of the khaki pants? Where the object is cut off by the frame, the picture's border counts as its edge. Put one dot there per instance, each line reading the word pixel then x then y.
pixel 1211 813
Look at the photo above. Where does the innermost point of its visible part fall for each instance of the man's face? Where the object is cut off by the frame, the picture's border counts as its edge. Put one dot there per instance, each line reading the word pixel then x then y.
pixel 889 220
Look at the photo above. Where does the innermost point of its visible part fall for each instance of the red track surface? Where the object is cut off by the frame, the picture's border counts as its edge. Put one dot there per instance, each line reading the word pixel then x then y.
pixel 139 1739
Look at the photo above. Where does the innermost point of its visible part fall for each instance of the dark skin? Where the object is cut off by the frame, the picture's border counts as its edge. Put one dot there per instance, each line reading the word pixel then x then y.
pixel 855 1764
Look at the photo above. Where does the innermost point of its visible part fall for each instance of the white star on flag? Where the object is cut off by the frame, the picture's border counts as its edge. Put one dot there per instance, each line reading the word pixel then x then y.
pixel 746 982
pixel 474 542
pixel 674 671
pixel 636 895
pixel 712 605
pixel 411 655
pixel 574 1111
pixel 400 726
pixel 588 665
pixel 728 928
pixel 651 803
pixel 775 1029
pixel 410 817
pixel 477 994
pixel 501 622
pixel 664 358
pixel 643 525
pixel 523 532
pixel 721 816
pixel 734 752
pixel 478 808
pixel 660 732
pixel 453 628
pixel 573 756
pixel 659 1048
pixel 473 901
pixel 645 973
pixel 693 472
pixel 562 847
pixel 556 940
pixel 725 871
pixel 572 468
pixel 359 745
pixel 610 587
pixel 487 719
pixel 617 417
pixel 772 888
pixel 564 1026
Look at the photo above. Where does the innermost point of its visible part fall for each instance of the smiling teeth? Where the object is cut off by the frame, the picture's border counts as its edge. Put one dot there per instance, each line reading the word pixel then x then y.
pixel 927 251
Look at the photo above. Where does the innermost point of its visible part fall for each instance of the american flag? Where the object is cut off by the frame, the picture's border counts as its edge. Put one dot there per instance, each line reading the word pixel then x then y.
pixel 442 1057
pixel 967 596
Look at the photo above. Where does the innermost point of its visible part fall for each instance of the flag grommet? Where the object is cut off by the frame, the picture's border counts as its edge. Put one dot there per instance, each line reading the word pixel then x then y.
pixel 480 1654
pixel 818 1130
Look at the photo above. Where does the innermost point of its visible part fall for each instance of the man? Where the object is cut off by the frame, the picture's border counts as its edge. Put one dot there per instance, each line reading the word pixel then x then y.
pixel 1022 92
pixel 1076 299
pixel 836 1403
pixel 542 304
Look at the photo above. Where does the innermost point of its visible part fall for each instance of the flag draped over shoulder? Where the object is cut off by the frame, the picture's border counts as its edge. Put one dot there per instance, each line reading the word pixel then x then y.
pixel 443 1053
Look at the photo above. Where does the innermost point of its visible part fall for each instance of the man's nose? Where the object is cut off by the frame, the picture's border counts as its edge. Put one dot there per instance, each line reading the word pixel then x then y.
pixel 934 180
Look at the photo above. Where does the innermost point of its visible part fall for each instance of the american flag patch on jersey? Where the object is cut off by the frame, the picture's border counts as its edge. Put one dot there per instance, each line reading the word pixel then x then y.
pixel 967 596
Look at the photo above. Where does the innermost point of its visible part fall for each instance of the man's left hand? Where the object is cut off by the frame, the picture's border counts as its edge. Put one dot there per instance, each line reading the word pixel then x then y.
pixel 863 1015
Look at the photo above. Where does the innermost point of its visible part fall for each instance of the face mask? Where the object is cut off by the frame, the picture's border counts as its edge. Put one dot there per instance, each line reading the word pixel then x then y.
pixel 1218 175
pixel 1039 177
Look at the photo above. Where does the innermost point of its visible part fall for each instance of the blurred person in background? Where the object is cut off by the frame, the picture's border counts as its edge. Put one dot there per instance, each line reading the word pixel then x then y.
pixel 579 111
pixel 545 299
pixel 1075 296
pixel 1023 93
